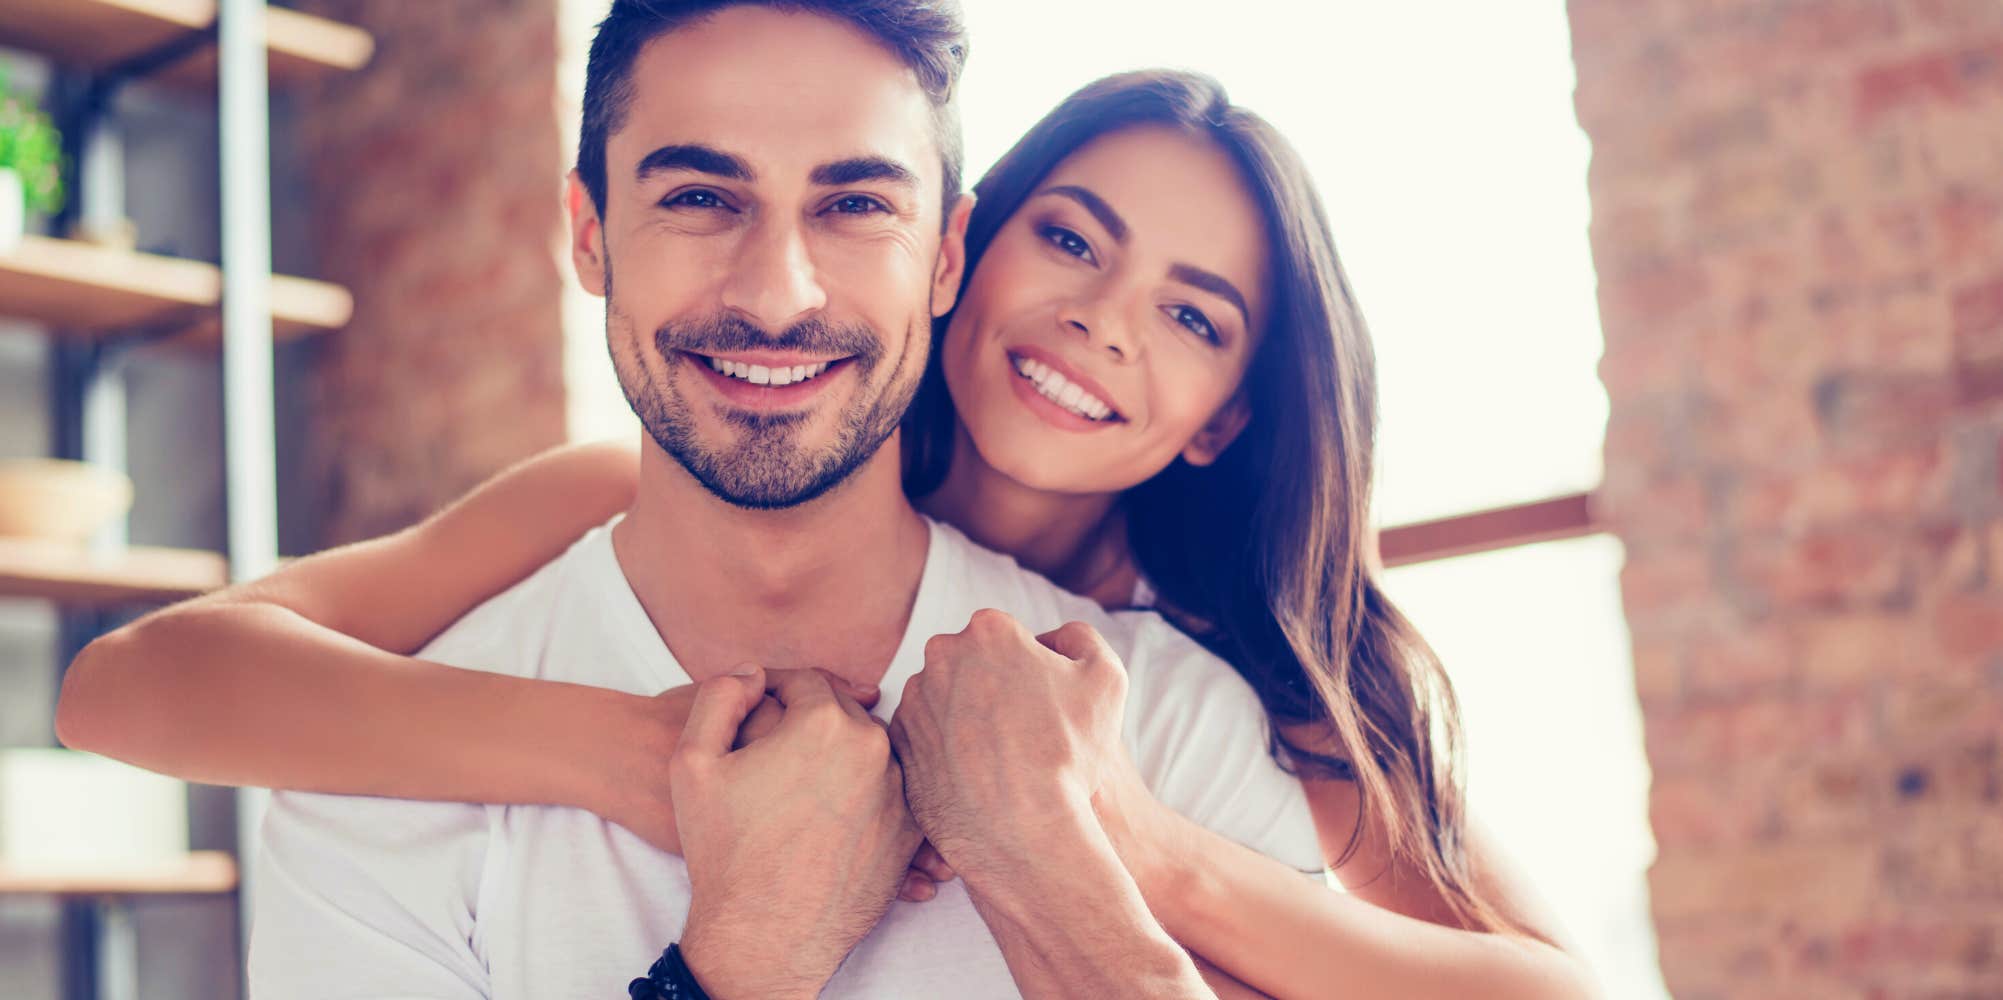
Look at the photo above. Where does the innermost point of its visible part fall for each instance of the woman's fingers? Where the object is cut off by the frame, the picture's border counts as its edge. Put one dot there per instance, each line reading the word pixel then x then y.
pixel 927 860
pixel 927 868
pixel 763 719
pixel 721 703
pixel 917 888
pixel 866 695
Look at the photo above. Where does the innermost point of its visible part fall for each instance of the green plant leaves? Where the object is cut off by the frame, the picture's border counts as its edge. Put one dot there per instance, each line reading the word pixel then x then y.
pixel 32 148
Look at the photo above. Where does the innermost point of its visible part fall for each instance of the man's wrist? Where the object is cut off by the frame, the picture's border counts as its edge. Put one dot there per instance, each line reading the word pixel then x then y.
pixel 731 966
pixel 1031 845
pixel 668 978
pixel 1074 922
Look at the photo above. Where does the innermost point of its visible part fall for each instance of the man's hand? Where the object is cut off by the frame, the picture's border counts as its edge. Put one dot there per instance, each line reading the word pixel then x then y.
pixel 1005 739
pixel 1005 736
pixel 628 784
pixel 795 844
pixel 927 868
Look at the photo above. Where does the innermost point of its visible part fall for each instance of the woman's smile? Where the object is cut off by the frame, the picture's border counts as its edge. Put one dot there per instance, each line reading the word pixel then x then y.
pixel 1059 392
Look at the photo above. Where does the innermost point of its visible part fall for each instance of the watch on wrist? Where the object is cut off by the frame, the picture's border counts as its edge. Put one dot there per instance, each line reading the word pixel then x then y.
pixel 668 979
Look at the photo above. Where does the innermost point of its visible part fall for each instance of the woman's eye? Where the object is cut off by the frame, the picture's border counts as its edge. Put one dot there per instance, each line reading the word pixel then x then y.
pixel 695 199
pixel 1193 319
pixel 856 204
pixel 1069 242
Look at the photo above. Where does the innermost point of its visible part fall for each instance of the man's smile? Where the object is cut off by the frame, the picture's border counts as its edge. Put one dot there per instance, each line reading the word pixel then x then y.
pixel 768 380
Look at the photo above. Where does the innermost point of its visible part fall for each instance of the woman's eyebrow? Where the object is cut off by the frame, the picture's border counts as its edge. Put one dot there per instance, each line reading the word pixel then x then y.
pixel 1214 283
pixel 1095 205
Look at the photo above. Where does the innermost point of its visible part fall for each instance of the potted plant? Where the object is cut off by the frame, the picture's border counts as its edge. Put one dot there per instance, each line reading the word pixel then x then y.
pixel 31 166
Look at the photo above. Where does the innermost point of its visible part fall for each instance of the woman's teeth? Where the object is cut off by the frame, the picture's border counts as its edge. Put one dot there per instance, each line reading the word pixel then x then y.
pixel 761 375
pixel 1062 391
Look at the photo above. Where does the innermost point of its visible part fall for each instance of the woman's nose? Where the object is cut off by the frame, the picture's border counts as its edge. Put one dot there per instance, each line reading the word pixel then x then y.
pixel 1100 328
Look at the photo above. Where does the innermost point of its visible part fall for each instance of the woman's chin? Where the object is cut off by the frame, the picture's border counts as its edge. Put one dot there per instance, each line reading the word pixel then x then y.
pixel 1033 468
pixel 1031 473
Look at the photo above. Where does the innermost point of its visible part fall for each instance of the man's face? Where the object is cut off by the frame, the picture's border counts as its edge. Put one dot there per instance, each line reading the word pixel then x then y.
pixel 770 249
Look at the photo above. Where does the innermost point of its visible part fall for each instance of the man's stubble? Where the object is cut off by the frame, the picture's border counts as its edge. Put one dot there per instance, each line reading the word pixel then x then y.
pixel 766 467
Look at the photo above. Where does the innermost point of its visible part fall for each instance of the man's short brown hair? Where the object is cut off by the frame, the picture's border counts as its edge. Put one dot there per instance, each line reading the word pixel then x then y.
pixel 930 36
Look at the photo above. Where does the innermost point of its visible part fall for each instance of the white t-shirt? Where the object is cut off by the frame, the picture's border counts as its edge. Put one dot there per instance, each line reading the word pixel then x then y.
pixel 369 897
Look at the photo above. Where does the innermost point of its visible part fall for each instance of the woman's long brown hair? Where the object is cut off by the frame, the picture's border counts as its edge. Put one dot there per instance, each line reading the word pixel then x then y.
pixel 1259 556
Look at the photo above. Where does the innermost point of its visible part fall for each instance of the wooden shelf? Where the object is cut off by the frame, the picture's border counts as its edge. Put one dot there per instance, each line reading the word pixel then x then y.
pixel 200 873
pixel 1485 531
pixel 70 574
pixel 99 34
pixel 83 289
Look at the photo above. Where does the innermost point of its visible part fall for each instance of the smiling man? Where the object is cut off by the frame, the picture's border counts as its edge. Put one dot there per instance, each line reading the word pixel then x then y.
pixel 768 197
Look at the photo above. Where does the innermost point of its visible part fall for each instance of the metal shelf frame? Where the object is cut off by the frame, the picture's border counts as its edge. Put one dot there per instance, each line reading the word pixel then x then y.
pixel 100 951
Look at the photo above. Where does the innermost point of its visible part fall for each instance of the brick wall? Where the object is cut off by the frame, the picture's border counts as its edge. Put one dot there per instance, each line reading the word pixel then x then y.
pixel 1798 228
pixel 437 183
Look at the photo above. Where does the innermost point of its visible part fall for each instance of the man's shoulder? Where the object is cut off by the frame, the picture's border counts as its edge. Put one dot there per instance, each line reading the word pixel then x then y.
pixel 985 578
pixel 1160 656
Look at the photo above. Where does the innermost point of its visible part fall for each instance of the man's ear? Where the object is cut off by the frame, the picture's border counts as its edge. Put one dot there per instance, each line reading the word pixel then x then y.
pixel 1224 427
pixel 952 263
pixel 587 235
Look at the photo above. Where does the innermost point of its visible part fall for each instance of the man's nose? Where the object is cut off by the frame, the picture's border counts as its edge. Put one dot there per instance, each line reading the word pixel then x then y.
pixel 773 282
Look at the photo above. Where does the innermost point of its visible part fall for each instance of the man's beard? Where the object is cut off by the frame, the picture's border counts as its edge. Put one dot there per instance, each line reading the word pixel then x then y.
pixel 767 467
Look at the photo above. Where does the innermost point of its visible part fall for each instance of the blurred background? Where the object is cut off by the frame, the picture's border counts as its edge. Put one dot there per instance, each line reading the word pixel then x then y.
pixel 1689 318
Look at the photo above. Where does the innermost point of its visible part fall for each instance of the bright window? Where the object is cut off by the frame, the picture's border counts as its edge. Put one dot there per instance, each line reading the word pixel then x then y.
pixel 1538 649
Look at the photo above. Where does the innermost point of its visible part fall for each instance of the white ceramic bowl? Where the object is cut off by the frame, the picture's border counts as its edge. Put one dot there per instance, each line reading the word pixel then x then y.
pixel 52 498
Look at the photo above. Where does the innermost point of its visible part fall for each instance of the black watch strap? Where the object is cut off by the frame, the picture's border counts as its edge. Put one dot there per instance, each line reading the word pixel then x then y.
pixel 668 979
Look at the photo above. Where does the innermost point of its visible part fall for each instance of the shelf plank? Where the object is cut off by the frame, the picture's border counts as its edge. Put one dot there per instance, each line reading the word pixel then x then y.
pixel 1549 520
pixel 98 34
pixel 199 873
pixel 80 288
pixel 71 574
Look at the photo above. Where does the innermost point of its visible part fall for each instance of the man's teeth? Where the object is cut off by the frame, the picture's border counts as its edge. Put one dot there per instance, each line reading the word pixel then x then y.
pixel 761 375
pixel 1062 391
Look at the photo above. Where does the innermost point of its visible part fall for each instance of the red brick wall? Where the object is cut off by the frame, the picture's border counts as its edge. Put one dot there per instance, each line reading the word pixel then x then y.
pixel 437 187
pixel 1798 228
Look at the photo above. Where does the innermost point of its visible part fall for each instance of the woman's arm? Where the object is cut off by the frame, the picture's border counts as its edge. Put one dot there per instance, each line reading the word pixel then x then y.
pixel 298 680
pixel 1289 936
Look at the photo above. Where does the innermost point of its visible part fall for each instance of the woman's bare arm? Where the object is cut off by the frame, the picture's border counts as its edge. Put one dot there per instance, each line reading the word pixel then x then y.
pixel 1391 935
pixel 300 679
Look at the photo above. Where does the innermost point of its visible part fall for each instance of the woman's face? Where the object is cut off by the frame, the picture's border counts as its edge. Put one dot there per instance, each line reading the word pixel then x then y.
pixel 1108 326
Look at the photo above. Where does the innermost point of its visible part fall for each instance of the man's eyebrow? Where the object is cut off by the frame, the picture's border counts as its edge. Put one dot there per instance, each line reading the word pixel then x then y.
pixel 698 158
pixel 1214 283
pixel 1095 205
pixel 857 169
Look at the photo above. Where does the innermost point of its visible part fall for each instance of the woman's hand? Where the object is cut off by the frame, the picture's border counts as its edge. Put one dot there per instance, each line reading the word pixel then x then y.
pixel 632 773
pixel 1146 834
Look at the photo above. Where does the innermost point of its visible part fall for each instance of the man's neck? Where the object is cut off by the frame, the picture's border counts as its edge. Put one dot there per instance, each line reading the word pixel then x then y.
pixel 827 584
pixel 1076 540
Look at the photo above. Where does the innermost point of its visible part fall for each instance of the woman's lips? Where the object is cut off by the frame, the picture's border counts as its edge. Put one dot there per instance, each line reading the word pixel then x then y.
pixel 1088 394
pixel 1048 410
